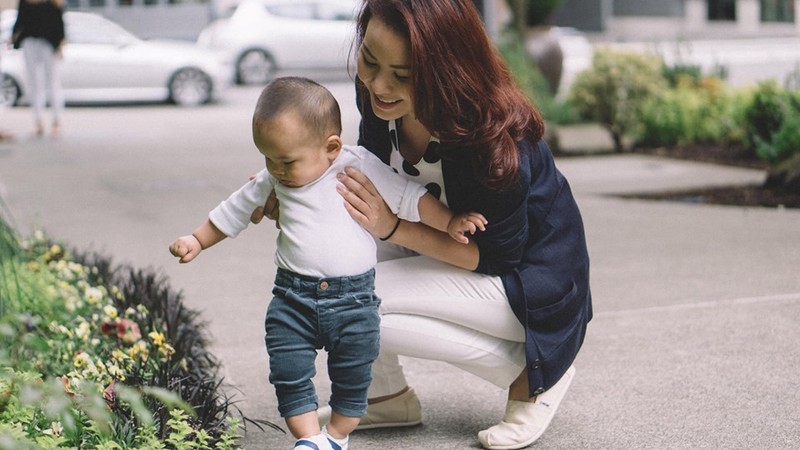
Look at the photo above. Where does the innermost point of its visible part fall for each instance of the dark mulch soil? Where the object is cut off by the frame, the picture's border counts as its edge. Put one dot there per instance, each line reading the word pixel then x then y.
pixel 736 195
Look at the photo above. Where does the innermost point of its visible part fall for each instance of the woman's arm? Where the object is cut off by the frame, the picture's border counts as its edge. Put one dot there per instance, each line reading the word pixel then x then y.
pixel 367 207
pixel 425 240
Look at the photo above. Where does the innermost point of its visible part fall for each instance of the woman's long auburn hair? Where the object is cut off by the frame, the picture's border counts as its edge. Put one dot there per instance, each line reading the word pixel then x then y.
pixel 463 90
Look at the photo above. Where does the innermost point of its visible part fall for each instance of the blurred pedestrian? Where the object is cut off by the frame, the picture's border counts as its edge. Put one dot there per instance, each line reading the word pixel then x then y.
pixel 39 32
pixel 4 135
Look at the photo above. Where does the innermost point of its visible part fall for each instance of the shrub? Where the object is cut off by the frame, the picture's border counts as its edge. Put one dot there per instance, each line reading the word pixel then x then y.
pixel 772 118
pixel 701 110
pixel 615 89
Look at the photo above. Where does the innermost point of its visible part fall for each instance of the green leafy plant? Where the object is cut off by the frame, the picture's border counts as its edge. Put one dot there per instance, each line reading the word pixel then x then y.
pixel 97 356
pixel 772 118
pixel 615 89
pixel 695 111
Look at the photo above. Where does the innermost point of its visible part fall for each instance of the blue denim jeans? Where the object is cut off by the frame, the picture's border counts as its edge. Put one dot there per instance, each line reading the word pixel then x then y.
pixel 307 314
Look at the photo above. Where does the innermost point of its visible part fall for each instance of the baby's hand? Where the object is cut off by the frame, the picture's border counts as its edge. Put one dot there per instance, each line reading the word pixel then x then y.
pixel 186 248
pixel 461 224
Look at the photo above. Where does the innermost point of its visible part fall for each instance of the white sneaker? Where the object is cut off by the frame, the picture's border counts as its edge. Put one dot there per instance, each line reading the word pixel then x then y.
pixel 336 444
pixel 401 411
pixel 524 422
pixel 318 442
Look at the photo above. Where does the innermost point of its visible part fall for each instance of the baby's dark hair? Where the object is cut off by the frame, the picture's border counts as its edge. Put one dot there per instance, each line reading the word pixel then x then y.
pixel 316 106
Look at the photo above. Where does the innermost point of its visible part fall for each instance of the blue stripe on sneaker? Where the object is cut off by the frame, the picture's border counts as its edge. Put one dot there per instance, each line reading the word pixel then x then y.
pixel 302 444
pixel 334 444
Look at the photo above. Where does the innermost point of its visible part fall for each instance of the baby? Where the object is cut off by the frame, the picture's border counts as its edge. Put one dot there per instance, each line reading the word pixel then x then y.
pixel 324 288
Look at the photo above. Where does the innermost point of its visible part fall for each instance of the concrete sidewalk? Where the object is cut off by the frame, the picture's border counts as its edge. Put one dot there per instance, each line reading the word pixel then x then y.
pixel 697 307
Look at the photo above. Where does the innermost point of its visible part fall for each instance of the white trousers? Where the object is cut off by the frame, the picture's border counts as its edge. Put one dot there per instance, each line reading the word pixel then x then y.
pixel 44 81
pixel 436 311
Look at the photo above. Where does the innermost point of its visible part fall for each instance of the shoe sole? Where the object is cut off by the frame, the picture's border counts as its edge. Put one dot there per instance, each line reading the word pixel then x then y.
pixel 373 426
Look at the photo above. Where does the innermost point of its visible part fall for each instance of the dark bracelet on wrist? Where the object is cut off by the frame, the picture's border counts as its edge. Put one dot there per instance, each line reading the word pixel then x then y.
pixel 396 225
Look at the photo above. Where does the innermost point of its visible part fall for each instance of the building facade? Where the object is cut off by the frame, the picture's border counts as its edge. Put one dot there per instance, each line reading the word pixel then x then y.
pixel 635 20
pixel 613 20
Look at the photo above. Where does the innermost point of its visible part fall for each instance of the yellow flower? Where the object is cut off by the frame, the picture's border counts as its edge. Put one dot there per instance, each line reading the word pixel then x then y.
pixel 139 351
pixel 158 338
pixel 53 253
pixel 110 311
pixel 166 351
pixel 81 359
pixel 116 372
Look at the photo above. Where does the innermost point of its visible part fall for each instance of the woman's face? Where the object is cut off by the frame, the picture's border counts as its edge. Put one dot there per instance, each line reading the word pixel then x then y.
pixel 384 66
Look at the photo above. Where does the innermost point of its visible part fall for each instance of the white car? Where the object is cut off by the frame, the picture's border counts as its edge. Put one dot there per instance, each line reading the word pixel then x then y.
pixel 263 36
pixel 104 63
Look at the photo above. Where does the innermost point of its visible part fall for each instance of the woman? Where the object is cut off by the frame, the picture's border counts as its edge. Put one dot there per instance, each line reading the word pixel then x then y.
pixel 39 32
pixel 439 105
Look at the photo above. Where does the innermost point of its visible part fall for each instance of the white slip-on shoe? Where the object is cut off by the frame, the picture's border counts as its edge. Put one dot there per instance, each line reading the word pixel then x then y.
pixel 401 411
pixel 524 422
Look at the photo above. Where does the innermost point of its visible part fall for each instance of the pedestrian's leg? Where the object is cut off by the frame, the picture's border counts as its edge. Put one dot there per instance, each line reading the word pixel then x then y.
pixel 32 50
pixel 56 94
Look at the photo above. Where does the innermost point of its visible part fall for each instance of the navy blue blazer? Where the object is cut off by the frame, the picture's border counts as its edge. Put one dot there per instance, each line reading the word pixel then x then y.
pixel 534 241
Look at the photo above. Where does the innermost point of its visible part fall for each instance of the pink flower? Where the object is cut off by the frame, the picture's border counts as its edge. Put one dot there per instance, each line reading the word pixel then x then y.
pixel 128 331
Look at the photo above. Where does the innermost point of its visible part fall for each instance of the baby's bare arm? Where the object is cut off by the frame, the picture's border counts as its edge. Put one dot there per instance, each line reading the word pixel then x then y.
pixel 436 215
pixel 188 247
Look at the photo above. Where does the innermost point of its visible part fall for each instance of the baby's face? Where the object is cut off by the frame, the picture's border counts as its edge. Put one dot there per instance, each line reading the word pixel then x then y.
pixel 294 156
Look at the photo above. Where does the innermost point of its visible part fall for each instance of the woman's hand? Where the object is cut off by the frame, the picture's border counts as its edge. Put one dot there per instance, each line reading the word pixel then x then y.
pixel 270 209
pixel 364 203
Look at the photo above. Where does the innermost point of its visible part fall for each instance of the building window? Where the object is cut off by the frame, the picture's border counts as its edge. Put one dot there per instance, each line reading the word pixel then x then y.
pixel 777 11
pixel 721 9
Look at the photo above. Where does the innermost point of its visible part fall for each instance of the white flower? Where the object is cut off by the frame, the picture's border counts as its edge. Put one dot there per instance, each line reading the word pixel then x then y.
pixel 93 295
pixel 56 429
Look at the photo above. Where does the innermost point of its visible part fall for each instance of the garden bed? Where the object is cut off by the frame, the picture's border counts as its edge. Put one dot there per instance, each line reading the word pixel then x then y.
pixel 753 196
pixel 95 355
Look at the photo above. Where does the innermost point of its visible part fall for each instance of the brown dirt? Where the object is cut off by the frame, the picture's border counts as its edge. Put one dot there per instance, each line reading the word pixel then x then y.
pixel 734 196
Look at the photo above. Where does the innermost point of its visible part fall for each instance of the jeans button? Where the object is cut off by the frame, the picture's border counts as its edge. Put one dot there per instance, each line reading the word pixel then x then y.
pixel 324 285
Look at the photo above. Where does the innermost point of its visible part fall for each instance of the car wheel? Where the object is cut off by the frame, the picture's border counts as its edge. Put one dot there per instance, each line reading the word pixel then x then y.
pixel 255 67
pixel 9 91
pixel 190 87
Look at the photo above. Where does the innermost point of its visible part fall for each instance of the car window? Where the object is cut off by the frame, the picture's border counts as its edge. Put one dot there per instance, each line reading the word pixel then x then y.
pixel 294 11
pixel 322 10
pixel 337 11
pixel 87 29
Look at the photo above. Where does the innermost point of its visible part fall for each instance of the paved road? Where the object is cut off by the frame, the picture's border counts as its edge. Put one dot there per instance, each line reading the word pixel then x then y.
pixel 697 308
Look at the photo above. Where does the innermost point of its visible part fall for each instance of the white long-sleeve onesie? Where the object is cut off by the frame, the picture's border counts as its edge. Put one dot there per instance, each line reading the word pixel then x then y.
pixel 317 235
